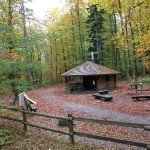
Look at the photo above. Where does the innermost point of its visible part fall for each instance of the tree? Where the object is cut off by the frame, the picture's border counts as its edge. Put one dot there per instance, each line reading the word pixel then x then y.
pixel 14 50
pixel 95 28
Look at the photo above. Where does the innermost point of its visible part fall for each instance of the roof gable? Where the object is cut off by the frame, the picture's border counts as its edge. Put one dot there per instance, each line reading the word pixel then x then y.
pixel 89 68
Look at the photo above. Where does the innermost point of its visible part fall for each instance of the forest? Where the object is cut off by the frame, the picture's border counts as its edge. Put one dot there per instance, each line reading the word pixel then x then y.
pixel 34 53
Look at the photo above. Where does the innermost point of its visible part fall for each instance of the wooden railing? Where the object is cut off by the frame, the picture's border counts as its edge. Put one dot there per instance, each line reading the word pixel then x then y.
pixel 71 131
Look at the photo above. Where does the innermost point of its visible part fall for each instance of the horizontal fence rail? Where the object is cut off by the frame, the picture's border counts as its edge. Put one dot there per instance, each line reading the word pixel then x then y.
pixel 143 145
pixel 71 121
pixel 133 125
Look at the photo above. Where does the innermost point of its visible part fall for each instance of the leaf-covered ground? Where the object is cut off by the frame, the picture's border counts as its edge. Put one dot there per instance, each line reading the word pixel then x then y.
pixel 54 100
pixel 13 138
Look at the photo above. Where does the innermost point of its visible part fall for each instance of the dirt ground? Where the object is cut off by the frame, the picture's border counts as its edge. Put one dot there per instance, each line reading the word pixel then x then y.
pixel 54 100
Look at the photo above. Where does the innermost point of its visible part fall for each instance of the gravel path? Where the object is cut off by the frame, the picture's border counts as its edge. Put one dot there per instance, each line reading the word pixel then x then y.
pixel 118 116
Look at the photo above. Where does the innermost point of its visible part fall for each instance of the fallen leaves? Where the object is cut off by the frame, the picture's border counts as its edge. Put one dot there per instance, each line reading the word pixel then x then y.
pixel 52 100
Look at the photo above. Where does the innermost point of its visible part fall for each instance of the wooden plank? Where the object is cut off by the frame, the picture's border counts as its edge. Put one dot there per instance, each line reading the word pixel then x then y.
pixel 37 114
pixel 142 96
pixel 101 95
pixel 96 95
pixel 144 145
pixel 29 99
pixel 103 92
pixel 46 115
pixel 133 125
pixel 12 119
pixel 13 109
pixel 45 128
pixel 105 97
pixel 71 129
pixel 33 107
pixel 24 120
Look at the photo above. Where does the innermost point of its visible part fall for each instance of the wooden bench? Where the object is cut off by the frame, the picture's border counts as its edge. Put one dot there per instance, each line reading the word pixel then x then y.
pixel 141 97
pixel 30 106
pixel 105 97
pixel 27 103
pixel 103 92
pixel 29 99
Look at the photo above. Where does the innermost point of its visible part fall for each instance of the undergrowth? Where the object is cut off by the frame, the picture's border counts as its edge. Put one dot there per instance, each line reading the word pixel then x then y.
pixel 145 80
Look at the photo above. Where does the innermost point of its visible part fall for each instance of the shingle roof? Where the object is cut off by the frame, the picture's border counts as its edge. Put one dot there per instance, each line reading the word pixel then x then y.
pixel 89 68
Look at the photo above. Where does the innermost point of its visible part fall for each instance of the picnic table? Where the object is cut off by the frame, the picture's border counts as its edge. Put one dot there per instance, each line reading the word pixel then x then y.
pixel 76 86
pixel 136 85
pixel 103 92
pixel 141 97
pixel 104 97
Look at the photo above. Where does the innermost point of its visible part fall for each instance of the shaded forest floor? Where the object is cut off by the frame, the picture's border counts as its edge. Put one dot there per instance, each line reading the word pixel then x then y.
pixel 53 100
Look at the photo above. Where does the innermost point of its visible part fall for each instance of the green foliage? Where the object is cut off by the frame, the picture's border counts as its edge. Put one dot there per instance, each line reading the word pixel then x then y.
pixel 5 137
pixel 145 80
pixel 95 28
pixel 19 69
pixel 43 55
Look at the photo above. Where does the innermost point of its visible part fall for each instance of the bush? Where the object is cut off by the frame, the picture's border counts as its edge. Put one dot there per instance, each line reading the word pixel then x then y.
pixel 145 80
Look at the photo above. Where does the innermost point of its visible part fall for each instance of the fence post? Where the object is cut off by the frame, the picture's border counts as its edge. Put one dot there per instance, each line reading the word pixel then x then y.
pixel 70 122
pixel 24 121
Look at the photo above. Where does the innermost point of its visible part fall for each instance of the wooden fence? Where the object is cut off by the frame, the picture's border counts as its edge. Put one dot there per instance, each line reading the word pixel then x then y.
pixel 71 133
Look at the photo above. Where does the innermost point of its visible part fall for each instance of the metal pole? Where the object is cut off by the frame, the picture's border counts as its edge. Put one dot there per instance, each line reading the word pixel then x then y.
pixel 141 88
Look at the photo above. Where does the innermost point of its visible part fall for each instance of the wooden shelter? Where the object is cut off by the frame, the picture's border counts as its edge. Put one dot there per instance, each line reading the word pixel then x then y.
pixel 90 76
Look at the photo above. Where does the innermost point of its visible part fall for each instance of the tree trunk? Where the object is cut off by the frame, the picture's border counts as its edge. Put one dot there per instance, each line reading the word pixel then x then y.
pixel 63 53
pixel 123 34
pixel 68 54
pixel 11 75
pixel 73 40
pixel 118 58
pixel 127 47
pixel 80 34
pixel 28 71
pixel 134 64
pixel 51 61
pixel 56 61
